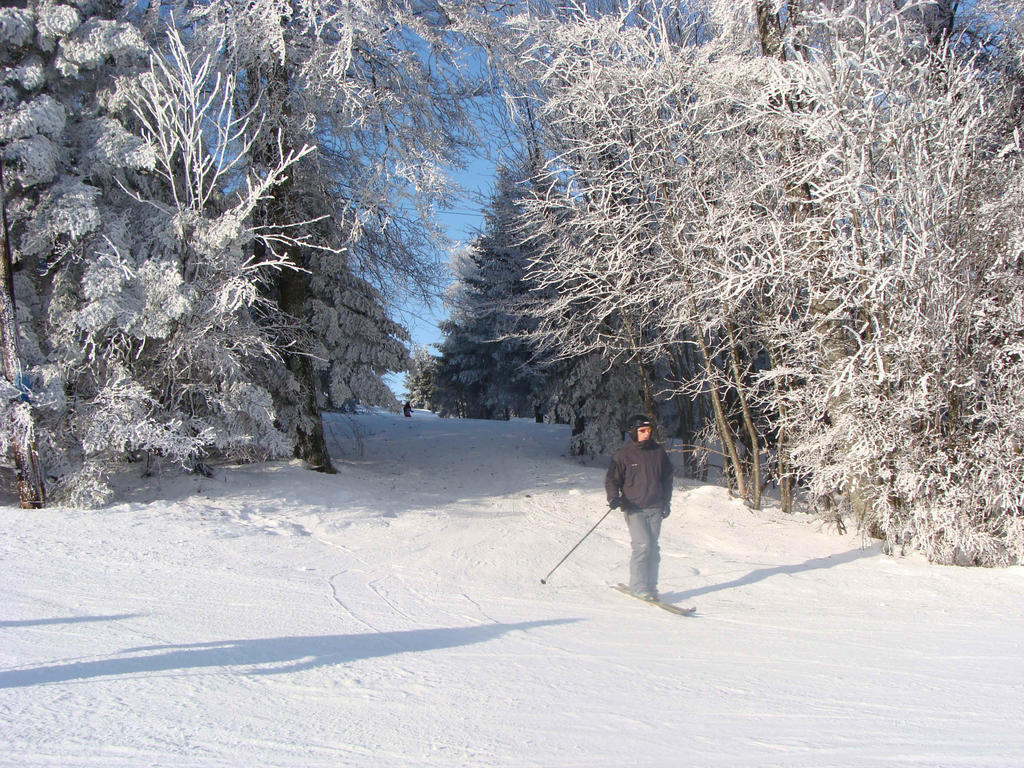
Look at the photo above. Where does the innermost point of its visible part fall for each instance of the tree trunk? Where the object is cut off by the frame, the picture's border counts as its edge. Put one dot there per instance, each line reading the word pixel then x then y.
pixel 748 420
pixel 310 446
pixel 724 432
pixel 31 489
pixel 292 284
pixel 769 29
pixel 785 472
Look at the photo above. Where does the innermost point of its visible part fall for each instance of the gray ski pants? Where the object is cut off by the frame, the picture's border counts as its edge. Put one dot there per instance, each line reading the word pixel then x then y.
pixel 644 528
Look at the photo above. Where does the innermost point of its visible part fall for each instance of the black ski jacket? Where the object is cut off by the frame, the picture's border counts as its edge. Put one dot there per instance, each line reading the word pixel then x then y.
pixel 641 474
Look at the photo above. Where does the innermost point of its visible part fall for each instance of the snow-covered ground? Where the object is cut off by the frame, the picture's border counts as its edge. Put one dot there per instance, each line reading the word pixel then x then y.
pixel 393 615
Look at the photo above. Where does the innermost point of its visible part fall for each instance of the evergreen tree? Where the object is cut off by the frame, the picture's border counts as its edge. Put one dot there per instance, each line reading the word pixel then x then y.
pixel 373 87
pixel 183 267
pixel 62 149
pixel 141 321
pixel 488 367
pixel 420 381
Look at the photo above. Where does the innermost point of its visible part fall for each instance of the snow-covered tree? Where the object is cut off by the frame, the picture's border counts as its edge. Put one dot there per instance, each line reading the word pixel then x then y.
pixel 17 425
pixel 61 147
pixel 488 367
pixel 374 86
pixel 909 164
pixel 820 201
pixel 612 108
pixel 184 268
pixel 140 301
pixel 420 381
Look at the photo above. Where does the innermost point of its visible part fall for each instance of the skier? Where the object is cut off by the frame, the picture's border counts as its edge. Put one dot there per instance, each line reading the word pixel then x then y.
pixel 639 481
pixel 407 409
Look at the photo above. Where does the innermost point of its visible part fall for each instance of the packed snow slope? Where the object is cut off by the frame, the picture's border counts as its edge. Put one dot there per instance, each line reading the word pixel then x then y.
pixel 393 615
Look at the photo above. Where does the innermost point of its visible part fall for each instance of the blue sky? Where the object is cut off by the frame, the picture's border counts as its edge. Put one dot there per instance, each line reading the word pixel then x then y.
pixel 462 221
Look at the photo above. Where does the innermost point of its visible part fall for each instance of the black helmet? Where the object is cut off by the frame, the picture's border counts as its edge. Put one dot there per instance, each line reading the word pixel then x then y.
pixel 635 421
pixel 638 420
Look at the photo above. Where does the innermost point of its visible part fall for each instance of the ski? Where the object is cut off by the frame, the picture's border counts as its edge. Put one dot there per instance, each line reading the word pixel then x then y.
pixel 689 611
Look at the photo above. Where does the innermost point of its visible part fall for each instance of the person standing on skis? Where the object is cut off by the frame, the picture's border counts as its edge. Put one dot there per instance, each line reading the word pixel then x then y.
pixel 639 482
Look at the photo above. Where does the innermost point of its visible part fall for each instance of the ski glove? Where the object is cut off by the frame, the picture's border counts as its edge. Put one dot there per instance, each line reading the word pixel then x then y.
pixel 615 503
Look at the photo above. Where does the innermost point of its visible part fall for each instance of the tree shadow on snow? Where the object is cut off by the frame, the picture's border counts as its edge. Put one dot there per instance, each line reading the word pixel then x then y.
pixel 266 656
pixel 761 574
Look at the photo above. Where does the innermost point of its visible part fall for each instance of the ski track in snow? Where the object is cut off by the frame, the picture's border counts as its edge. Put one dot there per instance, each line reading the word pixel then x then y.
pixel 391 615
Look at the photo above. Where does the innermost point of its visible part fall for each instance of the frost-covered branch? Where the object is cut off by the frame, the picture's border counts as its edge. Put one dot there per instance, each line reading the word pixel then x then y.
pixel 819 199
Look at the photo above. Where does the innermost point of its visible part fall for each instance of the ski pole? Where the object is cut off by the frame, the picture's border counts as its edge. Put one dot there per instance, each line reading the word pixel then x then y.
pixel 545 579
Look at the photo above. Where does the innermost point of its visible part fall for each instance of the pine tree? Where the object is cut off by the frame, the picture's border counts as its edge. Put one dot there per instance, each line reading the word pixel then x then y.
pixel 488 366
pixel 385 116
pixel 130 219
pixel 60 146
pixel 420 382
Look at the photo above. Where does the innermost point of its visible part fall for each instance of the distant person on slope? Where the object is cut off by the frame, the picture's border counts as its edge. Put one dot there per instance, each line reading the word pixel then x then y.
pixel 407 409
pixel 639 482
